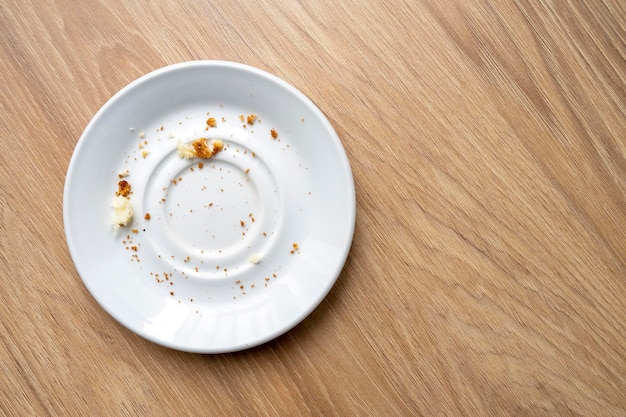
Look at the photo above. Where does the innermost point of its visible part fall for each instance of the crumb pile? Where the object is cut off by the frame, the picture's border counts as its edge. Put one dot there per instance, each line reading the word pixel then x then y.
pixel 122 210
pixel 199 148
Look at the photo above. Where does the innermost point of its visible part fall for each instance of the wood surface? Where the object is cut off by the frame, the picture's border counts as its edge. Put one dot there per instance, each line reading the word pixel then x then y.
pixel 487 274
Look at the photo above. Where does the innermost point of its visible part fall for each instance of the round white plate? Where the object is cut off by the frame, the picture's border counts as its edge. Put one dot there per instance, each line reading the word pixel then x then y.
pixel 237 250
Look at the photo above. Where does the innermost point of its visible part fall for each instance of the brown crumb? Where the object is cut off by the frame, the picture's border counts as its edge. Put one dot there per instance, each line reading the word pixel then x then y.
pixel 200 165
pixel 211 122
pixel 202 148
pixel 218 146
pixel 147 216
pixel 123 188
pixel 242 223
pixel 251 118
pixel 274 133
pixel 241 117
pixel 135 231
pixel 134 248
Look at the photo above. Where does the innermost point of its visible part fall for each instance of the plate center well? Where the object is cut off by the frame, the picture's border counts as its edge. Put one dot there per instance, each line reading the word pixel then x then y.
pixel 220 211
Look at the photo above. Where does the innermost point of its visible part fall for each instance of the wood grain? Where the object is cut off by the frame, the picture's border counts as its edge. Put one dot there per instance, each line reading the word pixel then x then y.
pixel 488 270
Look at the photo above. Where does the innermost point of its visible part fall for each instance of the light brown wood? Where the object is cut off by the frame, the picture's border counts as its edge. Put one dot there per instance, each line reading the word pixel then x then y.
pixel 488 270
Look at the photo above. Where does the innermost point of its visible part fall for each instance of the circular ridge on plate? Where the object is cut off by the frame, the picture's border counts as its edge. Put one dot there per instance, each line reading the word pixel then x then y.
pixel 238 248
pixel 240 181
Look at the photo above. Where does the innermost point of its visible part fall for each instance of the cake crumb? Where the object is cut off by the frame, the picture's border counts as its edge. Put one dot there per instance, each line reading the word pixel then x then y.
pixel 185 150
pixel 274 133
pixel 251 118
pixel 147 216
pixel 122 212
pixel 211 122
pixel 199 148
pixel 123 188
pixel 202 149
pixel 254 259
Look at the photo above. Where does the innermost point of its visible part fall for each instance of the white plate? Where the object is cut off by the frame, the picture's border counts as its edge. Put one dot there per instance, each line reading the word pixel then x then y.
pixel 191 285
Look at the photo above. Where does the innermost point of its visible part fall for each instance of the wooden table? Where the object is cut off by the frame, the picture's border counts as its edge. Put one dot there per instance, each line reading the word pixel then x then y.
pixel 487 274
